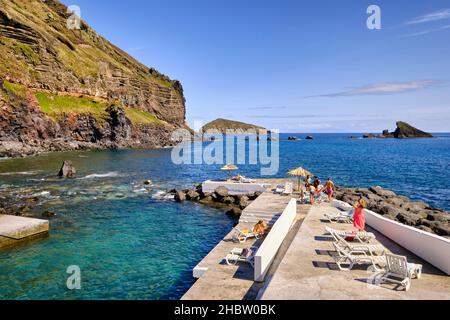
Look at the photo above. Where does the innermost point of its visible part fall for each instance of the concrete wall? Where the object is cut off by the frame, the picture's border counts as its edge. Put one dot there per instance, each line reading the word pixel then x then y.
pixel 269 248
pixel 234 188
pixel 430 247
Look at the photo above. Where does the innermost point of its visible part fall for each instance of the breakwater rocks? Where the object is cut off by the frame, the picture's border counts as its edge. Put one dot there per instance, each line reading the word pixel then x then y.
pixel 220 198
pixel 399 208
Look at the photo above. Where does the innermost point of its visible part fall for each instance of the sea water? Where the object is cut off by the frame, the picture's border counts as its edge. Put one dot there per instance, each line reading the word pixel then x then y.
pixel 132 241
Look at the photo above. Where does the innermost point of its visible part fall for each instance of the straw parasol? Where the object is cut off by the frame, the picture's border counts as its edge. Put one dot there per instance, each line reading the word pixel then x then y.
pixel 229 167
pixel 299 172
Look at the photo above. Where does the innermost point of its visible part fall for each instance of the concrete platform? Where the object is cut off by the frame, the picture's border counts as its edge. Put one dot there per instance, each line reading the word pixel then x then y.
pixel 14 230
pixel 219 281
pixel 308 271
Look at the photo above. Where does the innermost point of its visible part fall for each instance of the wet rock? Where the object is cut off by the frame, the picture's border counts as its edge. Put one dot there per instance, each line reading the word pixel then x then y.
pixel 148 182
pixel 228 200
pixel 221 192
pixel 234 212
pixel 382 192
pixel 309 138
pixel 441 229
pixel 48 214
pixel 410 219
pixel 192 195
pixel 67 170
pixel 180 196
pixel 425 228
pixel 292 138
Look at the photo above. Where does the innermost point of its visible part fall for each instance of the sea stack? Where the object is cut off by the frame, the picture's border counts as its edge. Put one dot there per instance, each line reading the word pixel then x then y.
pixel 404 130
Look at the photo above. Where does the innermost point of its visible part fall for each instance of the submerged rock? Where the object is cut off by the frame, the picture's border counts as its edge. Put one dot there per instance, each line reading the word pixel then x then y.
pixel 67 170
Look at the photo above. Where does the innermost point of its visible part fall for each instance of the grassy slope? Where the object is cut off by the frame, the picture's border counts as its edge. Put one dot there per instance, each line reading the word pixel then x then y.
pixel 223 124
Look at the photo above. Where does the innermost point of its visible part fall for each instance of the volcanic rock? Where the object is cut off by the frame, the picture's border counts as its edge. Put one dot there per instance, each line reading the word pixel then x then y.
pixel 67 170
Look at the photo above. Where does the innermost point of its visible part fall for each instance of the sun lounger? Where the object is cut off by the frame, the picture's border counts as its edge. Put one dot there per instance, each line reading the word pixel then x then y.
pixel 399 271
pixel 247 180
pixel 237 255
pixel 372 249
pixel 359 236
pixel 346 259
pixel 344 216
pixel 288 189
pixel 243 235
pixel 279 189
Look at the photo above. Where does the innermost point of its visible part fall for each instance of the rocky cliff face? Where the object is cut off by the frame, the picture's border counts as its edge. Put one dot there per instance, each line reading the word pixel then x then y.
pixel 63 88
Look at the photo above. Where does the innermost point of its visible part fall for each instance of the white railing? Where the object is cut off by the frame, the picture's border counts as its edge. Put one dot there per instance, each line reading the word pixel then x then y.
pixel 269 248
pixel 430 247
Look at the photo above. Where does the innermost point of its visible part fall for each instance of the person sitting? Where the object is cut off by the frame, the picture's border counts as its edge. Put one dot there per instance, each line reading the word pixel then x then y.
pixel 310 190
pixel 260 228
pixel 237 178
pixel 316 182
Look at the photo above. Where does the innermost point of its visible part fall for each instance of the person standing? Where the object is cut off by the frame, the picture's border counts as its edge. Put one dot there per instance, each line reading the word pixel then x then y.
pixel 359 221
pixel 329 187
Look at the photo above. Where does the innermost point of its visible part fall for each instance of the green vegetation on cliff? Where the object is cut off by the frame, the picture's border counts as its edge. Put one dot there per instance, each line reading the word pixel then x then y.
pixel 55 106
pixel 223 124
pixel 141 117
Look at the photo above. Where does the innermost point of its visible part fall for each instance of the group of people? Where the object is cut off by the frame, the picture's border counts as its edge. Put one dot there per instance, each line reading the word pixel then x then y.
pixel 315 188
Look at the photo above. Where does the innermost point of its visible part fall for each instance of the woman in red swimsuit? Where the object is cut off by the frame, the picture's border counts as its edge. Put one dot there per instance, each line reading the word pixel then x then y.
pixel 358 217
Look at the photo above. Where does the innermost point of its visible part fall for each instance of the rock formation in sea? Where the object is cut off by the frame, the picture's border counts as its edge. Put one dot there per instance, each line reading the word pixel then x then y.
pixel 63 88
pixel 222 125
pixel 403 131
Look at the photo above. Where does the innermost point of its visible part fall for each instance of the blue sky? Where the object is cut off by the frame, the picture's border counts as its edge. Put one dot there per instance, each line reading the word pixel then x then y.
pixel 296 66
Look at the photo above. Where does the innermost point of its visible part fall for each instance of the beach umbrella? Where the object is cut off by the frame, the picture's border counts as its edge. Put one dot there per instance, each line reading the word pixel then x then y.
pixel 229 167
pixel 299 172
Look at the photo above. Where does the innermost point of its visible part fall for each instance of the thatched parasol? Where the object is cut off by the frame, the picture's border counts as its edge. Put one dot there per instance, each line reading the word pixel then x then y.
pixel 299 172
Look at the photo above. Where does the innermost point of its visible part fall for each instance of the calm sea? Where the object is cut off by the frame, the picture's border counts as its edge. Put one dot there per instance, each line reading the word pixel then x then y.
pixel 132 242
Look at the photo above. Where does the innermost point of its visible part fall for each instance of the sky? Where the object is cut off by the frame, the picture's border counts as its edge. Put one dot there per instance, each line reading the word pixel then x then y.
pixel 295 66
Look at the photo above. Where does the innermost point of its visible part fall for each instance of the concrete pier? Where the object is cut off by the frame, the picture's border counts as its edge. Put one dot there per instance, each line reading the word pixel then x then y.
pixel 15 230
pixel 219 281
pixel 308 270
pixel 304 267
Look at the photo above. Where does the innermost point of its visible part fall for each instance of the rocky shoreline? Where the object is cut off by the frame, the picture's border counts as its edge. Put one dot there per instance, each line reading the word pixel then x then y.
pixel 399 208
pixel 220 198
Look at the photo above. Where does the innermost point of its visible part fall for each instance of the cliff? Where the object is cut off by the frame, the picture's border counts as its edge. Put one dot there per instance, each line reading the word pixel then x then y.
pixel 64 88
pixel 222 125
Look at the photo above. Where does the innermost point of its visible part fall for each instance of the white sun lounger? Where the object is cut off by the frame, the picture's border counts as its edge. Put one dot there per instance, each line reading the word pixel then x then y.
pixel 399 271
pixel 371 249
pixel 359 236
pixel 288 189
pixel 344 216
pixel 346 259
pixel 242 236
pixel 279 189
pixel 236 255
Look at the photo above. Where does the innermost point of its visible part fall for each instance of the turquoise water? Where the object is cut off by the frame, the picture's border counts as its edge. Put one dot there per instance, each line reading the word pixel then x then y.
pixel 133 242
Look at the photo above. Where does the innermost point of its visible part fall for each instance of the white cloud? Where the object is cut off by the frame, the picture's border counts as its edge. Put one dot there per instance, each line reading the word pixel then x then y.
pixel 427 31
pixel 385 88
pixel 434 16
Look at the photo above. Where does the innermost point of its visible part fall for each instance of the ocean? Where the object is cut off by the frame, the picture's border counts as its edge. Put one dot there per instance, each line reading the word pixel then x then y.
pixel 133 241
